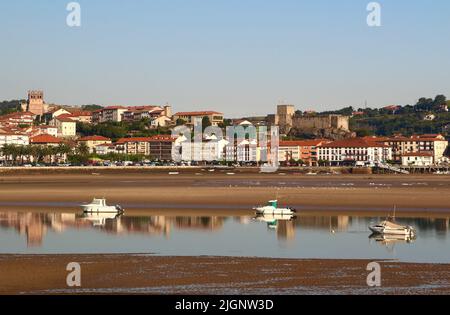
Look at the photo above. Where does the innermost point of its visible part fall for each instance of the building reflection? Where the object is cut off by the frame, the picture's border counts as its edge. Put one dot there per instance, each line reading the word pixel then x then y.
pixel 34 226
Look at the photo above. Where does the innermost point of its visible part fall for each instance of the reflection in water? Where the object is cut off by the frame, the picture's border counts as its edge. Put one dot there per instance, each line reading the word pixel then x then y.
pixel 309 236
pixel 389 241
pixel 283 224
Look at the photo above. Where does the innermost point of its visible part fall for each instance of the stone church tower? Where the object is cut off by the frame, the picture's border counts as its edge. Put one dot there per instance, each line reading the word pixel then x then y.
pixel 35 103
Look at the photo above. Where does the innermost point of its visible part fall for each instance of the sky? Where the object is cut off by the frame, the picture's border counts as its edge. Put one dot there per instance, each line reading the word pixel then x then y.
pixel 240 57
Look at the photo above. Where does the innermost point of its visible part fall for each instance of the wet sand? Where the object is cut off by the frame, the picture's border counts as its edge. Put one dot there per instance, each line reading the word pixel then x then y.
pixel 209 191
pixel 138 274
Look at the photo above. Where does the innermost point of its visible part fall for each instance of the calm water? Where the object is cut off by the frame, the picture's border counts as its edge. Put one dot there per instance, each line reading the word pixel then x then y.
pixel 301 237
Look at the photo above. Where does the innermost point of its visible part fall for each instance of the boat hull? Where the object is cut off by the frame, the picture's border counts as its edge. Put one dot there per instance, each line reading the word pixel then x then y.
pixel 274 211
pixel 387 231
pixel 107 209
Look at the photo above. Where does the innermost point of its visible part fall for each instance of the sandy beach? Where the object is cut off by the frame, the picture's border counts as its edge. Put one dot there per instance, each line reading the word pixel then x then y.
pixel 228 191
pixel 138 274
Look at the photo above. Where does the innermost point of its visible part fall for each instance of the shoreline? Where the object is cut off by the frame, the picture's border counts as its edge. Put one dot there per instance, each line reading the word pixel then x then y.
pixel 145 274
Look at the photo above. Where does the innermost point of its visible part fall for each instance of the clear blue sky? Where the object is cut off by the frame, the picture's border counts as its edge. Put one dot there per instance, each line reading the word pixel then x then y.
pixel 237 56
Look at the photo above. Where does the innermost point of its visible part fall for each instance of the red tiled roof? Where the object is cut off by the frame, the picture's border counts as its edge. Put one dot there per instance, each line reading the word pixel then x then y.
pixel 44 138
pixel 81 113
pixel 162 138
pixel 423 153
pixel 94 138
pixel 202 113
pixel 353 143
pixel 417 138
pixel 134 139
pixel 114 107
pixel 301 143
pixel 145 139
pixel 16 115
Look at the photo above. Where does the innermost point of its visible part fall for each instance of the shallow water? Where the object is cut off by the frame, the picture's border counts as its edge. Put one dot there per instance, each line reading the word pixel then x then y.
pixel 327 237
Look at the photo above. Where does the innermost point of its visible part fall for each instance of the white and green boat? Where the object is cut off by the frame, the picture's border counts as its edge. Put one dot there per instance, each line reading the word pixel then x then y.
pixel 272 209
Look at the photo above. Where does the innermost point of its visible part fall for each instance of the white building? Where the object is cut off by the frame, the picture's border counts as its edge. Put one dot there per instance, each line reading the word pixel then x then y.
pixel 354 152
pixel 67 127
pixel 208 150
pixel 418 159
pixel 7 137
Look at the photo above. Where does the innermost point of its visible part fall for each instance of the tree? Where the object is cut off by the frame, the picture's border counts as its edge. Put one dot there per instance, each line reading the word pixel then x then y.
pixel 206 122
pixel 91 108
pixel 180 122
pixel 82 149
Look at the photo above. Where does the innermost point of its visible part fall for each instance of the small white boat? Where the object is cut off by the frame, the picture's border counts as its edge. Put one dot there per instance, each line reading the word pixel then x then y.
pixel 272 209
pixel 391 228
pixel 100 206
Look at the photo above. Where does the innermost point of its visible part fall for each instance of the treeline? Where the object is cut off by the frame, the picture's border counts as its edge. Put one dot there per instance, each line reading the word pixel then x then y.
pixel 407 119
pixel 7 107
pixel 117 130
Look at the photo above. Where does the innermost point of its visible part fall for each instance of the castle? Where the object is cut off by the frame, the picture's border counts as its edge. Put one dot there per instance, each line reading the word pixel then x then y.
pixel 35 103
pixel 289 122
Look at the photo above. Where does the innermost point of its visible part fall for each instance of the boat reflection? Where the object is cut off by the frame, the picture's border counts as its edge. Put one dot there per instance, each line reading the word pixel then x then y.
pixel 284 224
pixel 99 219
pixel 385 239
pixel 35 226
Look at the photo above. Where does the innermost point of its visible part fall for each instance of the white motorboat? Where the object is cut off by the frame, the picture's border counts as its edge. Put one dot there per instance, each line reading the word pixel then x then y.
pixel 272 209
pixel 100 206
pixel 391 228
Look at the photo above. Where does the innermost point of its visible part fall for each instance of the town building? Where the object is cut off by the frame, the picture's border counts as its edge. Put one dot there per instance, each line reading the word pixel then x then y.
pixel 17 119
pixel 67 127
pixel 134 146
pixel 215 118
pixel 130 114
pixel 35 103
pixel 55 112
pixel 93 141
pixel 418 159
pixel 161 121
pixel 401 145
pixel 45 140
pixel 105 148
pixel 358 151
pixel 156 147
pixel 9 137
pixel 41 129
pixel 208 150
pixel 82 116
pixel 161 147
pixel 303 150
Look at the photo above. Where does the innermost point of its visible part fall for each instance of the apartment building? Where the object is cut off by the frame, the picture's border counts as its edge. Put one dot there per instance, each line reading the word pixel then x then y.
pixel 17 119
pixel 67 127
pixel 304 150
pixel 215 118
pixel 10 137
pixel 93 141
pixel 418 159
pixel 434 143
pixel 356 151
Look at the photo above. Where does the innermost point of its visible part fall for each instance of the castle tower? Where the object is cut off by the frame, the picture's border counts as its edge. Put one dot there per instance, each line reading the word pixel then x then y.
pixel 35 102
pixel 168 110
pixel 285 113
